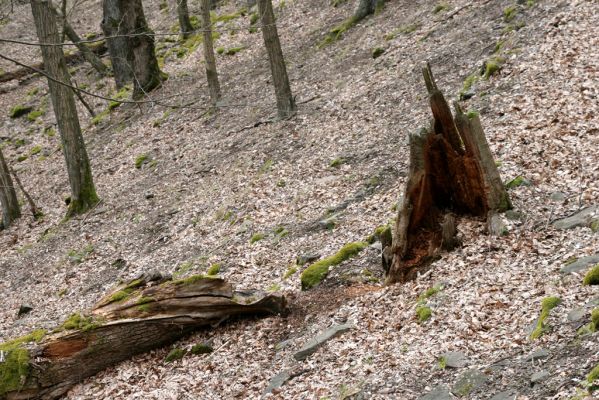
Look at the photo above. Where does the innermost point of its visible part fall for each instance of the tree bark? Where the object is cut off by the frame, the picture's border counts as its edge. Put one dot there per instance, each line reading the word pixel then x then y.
pixel 452 171
pixel 209 59
pixel 365 8
pixel 138 316
pixel 86 52
pixel 83 191
pixel 285 101
pixel 8 196
pixel 119 49
pixel 184 21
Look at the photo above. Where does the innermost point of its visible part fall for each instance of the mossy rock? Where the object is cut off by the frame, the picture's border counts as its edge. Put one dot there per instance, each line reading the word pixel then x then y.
pixel 141 160
pixel 174 355
pixel 316 272
pixel 592 276
pixel 548 304
pixel 517 181
pixel 201 348
pixel 377 52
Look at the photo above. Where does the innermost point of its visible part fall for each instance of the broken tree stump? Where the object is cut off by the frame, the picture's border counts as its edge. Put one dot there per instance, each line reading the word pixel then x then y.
pixel 138 316
pixel 452 172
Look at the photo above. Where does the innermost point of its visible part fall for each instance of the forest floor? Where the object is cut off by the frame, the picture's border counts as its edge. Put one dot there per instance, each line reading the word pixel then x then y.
pixel 205 183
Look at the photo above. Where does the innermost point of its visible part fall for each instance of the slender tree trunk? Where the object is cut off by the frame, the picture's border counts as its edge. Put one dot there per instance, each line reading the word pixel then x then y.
pixel 86 52
pixel 83 191
pixel 121 55
pixel 211 74
pixel 146 73
pixel 285 101
pixel 8 196
pixel 365 8
pixel 184 21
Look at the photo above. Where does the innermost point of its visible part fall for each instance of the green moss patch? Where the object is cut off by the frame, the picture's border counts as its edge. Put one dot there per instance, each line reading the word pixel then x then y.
pixel 517 181
pixel 141 159
pixel 492 66
pixel 548 304
pixel 592 378
pixel 377 52
pixel 192 279
pixel 126 292
pixel 213 270
pixel 80 322
pixel 201 348
pixel 15 368
pixel 123 94
pixel 316 272
pixel 440 7
pixel 174 355
pixel 509 13
pixel 290 271
pixel 592 277
pixel 423 313
pixel 337 32
pixel 35 114
pixel 256 237
pixel 336 163
pixel 19 110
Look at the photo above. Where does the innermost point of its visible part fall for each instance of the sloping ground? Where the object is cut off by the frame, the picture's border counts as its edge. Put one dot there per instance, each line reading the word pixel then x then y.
pixel 209 185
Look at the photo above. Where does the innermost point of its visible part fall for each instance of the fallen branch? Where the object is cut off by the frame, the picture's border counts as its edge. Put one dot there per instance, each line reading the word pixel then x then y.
pixel 136 317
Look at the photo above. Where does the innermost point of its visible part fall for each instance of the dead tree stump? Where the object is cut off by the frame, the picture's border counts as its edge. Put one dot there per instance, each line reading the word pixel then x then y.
pixel 138 316
pixel 452 172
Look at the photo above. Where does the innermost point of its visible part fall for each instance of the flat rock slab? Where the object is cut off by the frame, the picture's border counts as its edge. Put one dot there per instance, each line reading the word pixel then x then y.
pixel 455 359
pixel 276 382
pixel 581 218
pixel 577 314
pixel 538 355
pixel 505 395
pixel 539 376
pixel 580 264
pixel 319 340
pixel 438 393
pixel 469 381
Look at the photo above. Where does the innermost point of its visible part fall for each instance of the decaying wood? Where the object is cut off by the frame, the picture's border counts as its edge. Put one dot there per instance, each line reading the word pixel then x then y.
pixel 138 316
pixel 452 172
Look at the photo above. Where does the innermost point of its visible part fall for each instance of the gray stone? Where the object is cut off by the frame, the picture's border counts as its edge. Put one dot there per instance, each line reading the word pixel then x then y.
pixel 328 223
pixel 319 340
pixel 537 355
pixel 513 215
pixel 558 197
pixel 304 259
pixel 24 309
pixel 505 395
pixel 467 382
pixel 438 393
pixel 455 359
pixel 496 226
pixel 593 302
pixel 539 376
pixel 581 218
pixel 276 382
pixel 580 264
pixel 576 314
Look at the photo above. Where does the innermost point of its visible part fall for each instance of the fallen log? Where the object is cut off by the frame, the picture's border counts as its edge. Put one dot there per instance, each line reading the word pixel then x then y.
pixel 136 317
pixel 452 173
pixel 98 49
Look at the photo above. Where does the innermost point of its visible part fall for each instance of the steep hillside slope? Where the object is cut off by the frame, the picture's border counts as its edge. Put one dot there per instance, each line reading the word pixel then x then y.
pixel 207 183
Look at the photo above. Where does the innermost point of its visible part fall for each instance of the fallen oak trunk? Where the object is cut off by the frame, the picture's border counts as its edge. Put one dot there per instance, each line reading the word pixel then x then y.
pixel 452 172
pixel 138 316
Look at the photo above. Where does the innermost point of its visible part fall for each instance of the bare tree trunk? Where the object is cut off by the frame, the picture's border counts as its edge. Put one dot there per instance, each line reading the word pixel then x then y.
pixel 184 21
pixel 8 196
pixel 83 191
pixel 285 101
pixel 86 52
pixel 146 73
pixel 121 55
pixel 211 74
pixel 365 8
pixel 138 316
pixel 452 171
